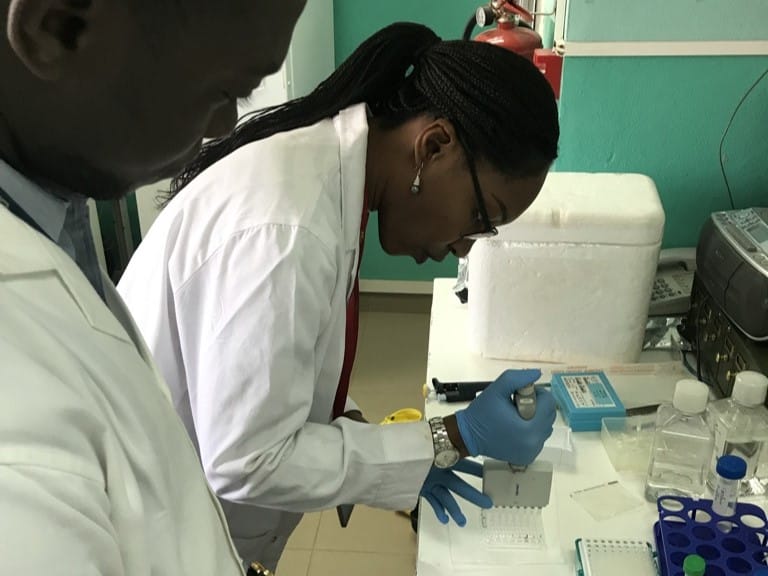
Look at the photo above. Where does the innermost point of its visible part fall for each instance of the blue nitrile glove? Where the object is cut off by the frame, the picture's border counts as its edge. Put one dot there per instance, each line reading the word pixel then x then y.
pixel 491 426
pixel 440 483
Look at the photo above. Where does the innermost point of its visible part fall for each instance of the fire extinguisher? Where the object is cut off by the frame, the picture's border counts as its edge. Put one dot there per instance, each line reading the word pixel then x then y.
pixel 513 31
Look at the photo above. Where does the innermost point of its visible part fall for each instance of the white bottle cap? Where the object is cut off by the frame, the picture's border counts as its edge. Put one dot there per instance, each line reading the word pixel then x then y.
pixel 691 396
pixel 750 388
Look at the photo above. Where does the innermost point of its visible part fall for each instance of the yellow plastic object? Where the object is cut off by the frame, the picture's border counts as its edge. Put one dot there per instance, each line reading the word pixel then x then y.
pixel 403 415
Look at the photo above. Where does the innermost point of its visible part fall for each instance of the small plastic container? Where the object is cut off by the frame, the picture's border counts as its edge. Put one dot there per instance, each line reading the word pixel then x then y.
pixel 694 565
pixel 627 441
pixel 730 470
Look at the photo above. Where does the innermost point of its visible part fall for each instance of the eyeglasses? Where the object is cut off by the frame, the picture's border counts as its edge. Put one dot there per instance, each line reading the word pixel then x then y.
pixel 489 230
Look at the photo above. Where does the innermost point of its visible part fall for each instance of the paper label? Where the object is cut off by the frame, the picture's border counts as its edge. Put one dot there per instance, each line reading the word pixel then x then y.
pixel 725 497
pixel 587 391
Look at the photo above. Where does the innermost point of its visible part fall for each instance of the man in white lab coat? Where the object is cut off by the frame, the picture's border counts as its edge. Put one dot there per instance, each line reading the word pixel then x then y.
pixel 97 475
pixel 245 286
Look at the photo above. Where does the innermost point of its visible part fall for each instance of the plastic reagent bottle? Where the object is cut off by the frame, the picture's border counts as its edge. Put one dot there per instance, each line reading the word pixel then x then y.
pixel 740 427
pixel 694 565
pixel 730 471
pixel 682 444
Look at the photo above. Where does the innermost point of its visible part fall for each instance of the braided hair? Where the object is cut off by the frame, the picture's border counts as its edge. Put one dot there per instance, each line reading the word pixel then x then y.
pixel 501 106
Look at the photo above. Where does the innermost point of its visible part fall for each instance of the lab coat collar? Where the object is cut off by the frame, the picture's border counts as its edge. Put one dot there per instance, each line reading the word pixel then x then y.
pixel 24 251
pixel 352 128
pixel 47 210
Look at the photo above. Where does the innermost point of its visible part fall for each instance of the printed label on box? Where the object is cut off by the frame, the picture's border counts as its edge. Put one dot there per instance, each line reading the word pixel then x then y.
pixel 587 391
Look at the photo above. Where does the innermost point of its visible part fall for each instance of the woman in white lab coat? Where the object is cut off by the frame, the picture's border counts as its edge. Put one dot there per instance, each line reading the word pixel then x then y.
pixel 245 288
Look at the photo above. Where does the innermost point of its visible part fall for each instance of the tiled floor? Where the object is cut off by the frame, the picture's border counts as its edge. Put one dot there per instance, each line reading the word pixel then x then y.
pixel 389 372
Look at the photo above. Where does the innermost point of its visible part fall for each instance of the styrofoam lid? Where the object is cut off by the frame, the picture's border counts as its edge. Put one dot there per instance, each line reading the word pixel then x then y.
pixel 622 209
pixel 750 388
pixel 691 396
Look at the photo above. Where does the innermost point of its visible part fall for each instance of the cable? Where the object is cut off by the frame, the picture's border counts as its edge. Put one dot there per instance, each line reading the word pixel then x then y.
pixel 727 128
pixel 697 319
pixel 687 364
pixel 469 28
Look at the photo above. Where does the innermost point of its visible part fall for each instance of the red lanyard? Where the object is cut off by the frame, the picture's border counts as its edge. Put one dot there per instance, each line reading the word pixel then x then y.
pixel 353 322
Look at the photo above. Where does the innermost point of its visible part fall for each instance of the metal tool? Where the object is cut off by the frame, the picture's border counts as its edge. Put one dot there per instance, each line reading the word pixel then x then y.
pixel 642 410
pixel 459 391
pixel 467 391
pixel 256 569
pixel 525 401
pixel 510 486
pixel 344 511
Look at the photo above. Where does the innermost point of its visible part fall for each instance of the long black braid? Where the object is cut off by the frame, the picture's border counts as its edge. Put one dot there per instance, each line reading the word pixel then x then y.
pixel 501 106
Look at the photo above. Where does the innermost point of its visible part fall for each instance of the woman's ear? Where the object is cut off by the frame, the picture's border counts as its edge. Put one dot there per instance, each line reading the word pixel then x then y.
pixel 47 34
pixel 435 142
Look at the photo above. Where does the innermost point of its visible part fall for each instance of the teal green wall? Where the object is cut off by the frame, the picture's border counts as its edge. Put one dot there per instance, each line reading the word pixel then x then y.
pixel 660 116
pixel 665 117
pixel 662 20
pixel 354 21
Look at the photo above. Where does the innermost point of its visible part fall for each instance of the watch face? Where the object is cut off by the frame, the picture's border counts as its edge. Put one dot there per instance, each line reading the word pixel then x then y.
pixel 446 458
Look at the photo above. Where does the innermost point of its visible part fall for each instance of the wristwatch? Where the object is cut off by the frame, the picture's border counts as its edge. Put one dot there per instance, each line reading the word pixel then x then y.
pixel 446 454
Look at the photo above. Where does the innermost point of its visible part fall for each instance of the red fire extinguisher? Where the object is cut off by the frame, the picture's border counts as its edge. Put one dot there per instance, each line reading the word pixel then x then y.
pixel 513 31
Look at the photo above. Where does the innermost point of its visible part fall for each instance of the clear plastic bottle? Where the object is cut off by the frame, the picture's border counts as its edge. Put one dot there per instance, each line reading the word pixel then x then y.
pixel 740 427
pixel 682 444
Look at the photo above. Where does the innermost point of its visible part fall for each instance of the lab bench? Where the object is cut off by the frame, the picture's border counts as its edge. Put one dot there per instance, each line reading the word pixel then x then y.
pixel 448 549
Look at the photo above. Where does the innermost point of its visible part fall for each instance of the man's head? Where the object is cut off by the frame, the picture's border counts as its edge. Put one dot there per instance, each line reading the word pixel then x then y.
pixel 100 96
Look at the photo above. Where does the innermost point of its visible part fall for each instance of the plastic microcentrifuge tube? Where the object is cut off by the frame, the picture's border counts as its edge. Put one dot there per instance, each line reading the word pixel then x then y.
pixel 730 470
pixel 694 565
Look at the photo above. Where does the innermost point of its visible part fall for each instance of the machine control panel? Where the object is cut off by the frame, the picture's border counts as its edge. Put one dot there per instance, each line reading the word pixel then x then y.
pixel 748 232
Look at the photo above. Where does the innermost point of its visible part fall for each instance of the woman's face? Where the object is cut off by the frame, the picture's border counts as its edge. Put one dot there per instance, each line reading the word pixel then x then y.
pixel 434 222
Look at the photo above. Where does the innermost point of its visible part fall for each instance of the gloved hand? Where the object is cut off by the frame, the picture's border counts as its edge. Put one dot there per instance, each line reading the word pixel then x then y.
pixel 440 483
pixel 491 425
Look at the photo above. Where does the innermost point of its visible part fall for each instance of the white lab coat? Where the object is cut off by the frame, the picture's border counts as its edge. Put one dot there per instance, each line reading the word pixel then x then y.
pixel 97 474
pixel 240 289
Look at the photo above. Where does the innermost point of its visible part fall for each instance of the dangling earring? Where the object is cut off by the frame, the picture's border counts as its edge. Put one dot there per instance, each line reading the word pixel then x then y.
pixel 416 186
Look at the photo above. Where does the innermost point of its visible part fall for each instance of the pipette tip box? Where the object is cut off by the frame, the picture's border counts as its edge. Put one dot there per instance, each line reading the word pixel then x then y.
pixel 585 398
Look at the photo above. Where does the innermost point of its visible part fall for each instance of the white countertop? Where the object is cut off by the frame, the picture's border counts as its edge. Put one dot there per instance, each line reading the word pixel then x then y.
pixel 444 550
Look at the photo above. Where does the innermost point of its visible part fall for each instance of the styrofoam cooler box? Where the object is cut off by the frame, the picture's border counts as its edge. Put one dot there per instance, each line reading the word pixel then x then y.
pixel 570 280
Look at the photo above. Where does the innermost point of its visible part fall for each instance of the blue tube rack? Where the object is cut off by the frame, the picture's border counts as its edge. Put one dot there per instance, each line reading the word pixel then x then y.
pixel 731 546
